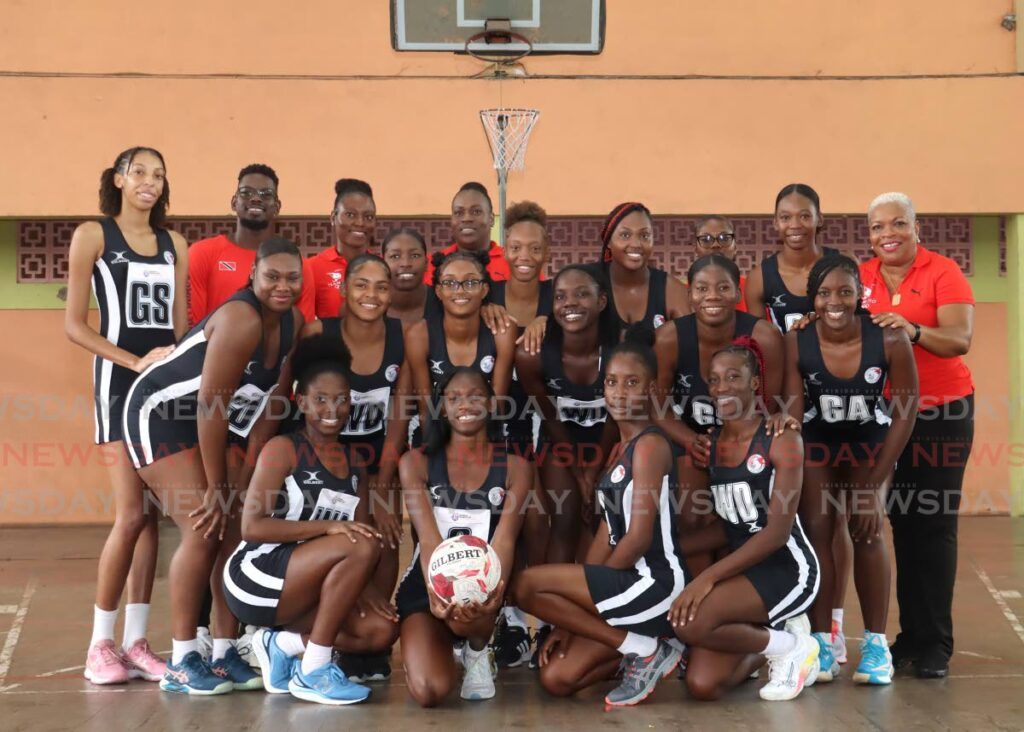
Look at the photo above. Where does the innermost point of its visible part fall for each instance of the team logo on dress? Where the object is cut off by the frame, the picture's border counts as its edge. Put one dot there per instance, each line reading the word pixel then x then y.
pixel 120 258
pixel 752 527
pixel 169 257
pixel 391 373
pixel 872 375
pixel 618 474
pixel 684 381
pixel 659 320
pixel 812 378
pixel 435 492
pixel 248 367
pixel 312 477
pixel 496 495
pixel 355 482
pixel 487 364
pixel 554 384
pixel 437 367
pixel 755 463
pixel 778 301
pixel 223 266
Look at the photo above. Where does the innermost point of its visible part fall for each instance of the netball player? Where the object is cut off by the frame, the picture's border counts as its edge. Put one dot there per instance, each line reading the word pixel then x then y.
pixel 138 273
pixel 458 336
pixel 461 482
pixel 307 560
pixel 716 235
pixel 353 222
pixel 177 418
pixel 836 370
pixel 638 293
pixel 375 430
pixel 405 252
pixel 777 287
pixel 615 605
pixel 731 614
pixel 527 298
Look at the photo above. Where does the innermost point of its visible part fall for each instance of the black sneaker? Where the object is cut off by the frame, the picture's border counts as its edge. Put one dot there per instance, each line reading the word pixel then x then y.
pixel 353 664
pixel 903 656
pixel 539 637
pixel 511 645
pixel 376 667
pixel 932 664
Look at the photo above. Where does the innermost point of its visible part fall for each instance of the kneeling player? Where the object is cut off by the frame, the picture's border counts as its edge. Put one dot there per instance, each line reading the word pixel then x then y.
pixel 461 482
pixel 308 560
pixel 616 604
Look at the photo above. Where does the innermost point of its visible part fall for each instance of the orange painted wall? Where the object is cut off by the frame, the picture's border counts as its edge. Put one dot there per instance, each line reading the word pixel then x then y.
pixel 51 473
pixel 343 103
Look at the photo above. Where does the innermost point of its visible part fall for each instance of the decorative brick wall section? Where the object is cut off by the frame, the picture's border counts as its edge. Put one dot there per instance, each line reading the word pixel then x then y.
pixel 43 243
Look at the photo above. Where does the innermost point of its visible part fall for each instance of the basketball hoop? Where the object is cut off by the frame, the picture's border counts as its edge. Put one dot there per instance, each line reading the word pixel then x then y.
pixel 508 132
pixel 501 48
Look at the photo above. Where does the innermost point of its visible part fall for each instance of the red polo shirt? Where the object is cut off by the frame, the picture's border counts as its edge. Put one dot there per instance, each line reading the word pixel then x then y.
pixel 328 273
pixel 933 281
pixel 218 268
pixel 497 267
pixel 741 306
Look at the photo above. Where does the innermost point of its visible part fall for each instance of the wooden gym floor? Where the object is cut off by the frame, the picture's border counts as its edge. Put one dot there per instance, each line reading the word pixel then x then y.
pixel 46 585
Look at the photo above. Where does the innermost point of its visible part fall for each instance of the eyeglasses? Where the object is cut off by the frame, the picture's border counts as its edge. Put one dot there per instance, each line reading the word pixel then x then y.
pixel 455 285
pixel 264 194
pixel 723 239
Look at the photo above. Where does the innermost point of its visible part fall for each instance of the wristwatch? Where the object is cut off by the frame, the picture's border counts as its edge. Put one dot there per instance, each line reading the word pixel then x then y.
pixel 917 333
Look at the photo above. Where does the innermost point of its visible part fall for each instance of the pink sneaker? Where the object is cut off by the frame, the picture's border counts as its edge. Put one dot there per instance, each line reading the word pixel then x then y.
pixel 104 664
pixel 142 663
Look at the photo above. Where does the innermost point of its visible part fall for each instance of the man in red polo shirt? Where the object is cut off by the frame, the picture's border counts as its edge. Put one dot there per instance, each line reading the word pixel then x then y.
pixel 220 266
pixel 472 221
pixel 353 222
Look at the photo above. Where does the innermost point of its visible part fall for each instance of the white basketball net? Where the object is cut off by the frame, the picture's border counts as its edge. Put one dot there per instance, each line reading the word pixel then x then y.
pixel 508 131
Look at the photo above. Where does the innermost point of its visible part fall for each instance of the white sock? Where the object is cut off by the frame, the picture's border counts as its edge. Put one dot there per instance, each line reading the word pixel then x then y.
pixel 640 645
pixel 543 624
pixel 316 656
pixel 515 616
pixel 221 646
pixel 837 617
pixel 780 643
pixel 180 649
pixel 136 619
pixel 289 642
pixel 102 624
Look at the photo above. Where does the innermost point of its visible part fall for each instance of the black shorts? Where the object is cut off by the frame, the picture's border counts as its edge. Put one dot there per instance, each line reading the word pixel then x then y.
pixel 827 446
pixel 633 602
pixel 411 597
pixel 253 581
pixel 787 581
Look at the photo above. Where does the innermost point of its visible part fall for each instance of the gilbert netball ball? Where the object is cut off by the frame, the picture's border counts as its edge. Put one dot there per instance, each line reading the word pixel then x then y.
pixel 464 569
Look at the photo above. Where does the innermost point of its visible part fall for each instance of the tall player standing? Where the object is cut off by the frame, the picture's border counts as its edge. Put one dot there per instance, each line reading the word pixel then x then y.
pixel 137 269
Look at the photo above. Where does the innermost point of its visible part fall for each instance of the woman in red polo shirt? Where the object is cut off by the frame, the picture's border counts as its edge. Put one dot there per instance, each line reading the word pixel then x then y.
pixel 907 286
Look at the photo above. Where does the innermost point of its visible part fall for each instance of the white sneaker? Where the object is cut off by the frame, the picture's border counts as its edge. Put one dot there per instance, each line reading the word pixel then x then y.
pixel 244 647
pixel 477 682
pixel 205 641
pixel 788 673
pixel 838 642
pixel 800 625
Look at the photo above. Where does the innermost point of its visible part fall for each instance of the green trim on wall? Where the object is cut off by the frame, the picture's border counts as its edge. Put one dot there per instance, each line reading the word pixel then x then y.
pixel 1015 347
pixel 988 286
pixel 14 296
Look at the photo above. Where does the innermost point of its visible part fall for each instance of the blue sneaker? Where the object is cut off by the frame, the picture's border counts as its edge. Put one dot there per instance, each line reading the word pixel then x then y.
pixel 237 671
pixel 193 676
pixel 828 666
pixel 276 666
pixel 875 665
pixel 326 685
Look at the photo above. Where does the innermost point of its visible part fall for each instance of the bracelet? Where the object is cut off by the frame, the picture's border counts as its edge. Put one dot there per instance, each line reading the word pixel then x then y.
pixel 917 333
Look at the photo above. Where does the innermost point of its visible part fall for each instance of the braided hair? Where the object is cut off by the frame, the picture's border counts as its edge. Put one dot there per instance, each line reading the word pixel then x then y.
pixel 825 265
pixel 750 349
pixel 611 223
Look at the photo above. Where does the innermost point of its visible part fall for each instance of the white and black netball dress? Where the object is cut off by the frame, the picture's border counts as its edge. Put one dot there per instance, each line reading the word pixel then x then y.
pixel 254 574
pixel 637 599
pixel 579 407
pixel 371 396
pixel 784 308
pixel 692 400
pixel 523 427
pixel 135 295
pixel 845 417
pixel 457 513
pixel 161 413
pixel 787 580
pixel 657 302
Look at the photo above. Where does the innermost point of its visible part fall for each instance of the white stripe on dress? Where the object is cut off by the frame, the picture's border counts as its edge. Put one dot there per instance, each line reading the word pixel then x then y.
pixel 108 301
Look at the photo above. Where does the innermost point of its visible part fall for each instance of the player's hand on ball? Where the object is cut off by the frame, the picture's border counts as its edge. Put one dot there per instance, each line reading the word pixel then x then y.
pixel 439 608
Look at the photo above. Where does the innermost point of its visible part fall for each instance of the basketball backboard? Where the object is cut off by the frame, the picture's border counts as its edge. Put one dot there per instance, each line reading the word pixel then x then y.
pixel 552 26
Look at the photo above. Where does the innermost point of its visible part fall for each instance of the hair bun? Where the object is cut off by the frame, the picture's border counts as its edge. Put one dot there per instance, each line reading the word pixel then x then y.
pixel 319 349
pixel 436 259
